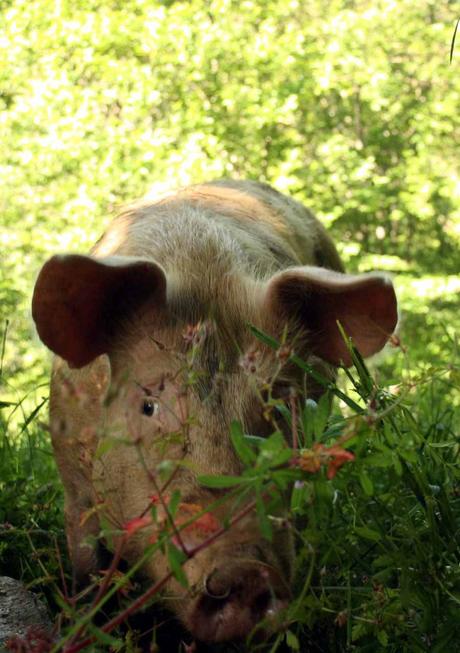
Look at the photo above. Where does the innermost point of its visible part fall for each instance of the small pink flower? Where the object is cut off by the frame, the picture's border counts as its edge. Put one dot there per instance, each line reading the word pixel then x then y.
pixel 250 361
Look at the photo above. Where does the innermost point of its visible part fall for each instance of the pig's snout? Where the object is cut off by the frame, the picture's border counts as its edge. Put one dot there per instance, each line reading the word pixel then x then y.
pixel 234 599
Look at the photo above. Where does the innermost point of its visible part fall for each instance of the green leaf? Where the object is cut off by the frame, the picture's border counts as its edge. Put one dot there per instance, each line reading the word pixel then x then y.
pixel 443 445
pixel 264 337
pixel 397 464
pixel 410 455
pixel 264 523
pixel 274 442
pixel 382 637
pixel 32 415
pixel 366 483
pixel 241 444
pixel 255 440
pixel 379 460
pixel 359 630
pixel 367 533
pixel 274 451
pixel 5 404
pixel 283 410
pixel 322 415
pixel 284 477
pixel 174 502
pixel 292 641
pixel 384 560
pixel 176 559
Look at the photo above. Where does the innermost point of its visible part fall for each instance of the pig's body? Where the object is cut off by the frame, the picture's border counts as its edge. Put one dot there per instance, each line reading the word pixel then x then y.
pixel 219 255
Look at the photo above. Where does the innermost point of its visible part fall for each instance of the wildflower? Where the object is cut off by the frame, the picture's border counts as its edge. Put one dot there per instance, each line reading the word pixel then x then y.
pixel 195 334
pixel 310 460
pixel 249 362
pixel 338 456
pixel 284 353
pixel 395 341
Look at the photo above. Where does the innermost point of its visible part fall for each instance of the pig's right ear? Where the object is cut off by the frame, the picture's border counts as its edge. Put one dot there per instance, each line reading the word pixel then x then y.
pixel 79 300
pixel 318 299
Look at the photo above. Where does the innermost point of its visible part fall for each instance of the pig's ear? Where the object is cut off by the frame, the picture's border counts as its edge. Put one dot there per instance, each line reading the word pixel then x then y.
pixel 79 301
pixel 365 305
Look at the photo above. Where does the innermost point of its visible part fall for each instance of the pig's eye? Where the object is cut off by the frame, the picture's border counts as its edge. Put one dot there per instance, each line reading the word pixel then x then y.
pixel 150 407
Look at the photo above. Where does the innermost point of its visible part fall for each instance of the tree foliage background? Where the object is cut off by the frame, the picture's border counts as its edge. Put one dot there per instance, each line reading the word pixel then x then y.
pixel 351 106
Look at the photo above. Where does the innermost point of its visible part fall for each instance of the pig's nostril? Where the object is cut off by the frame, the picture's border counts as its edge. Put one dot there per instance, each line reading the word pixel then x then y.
pixel 261 602
pixel 215 592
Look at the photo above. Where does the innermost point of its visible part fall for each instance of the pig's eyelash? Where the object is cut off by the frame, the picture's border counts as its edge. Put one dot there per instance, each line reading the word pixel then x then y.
pixel 159 386
pixel 145 390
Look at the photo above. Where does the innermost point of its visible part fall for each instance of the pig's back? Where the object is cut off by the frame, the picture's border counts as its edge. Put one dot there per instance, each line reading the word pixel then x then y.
pixel 299 229
pixel 248 221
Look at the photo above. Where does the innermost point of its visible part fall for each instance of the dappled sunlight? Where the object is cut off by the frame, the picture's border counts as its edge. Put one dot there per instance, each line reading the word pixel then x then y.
pixel 394 265
pixel 435 287
pixel 418 293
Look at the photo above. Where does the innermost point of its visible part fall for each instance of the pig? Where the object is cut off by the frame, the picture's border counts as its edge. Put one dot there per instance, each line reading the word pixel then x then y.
pixel 195 266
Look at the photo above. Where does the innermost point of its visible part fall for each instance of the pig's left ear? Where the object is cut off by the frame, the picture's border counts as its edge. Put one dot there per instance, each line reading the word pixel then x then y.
pixel 79 301
pixel 365 305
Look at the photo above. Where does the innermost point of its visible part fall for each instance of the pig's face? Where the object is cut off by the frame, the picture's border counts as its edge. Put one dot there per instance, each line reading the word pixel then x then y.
pixel 165 402
pixel 181 365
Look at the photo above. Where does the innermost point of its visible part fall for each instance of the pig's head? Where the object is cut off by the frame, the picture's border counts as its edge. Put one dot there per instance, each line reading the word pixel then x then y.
pixel 181 364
